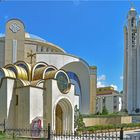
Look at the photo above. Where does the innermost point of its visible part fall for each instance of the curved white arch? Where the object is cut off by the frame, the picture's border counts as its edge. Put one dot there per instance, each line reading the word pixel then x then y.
pixel 68 113
pixel 82 71
pixel 45 70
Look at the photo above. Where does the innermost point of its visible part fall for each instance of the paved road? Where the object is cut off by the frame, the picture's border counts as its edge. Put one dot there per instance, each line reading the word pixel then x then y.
pixel 132 135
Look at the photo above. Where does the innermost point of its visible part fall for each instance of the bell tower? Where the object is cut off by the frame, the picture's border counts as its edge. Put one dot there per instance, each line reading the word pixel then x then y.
pixel 131 64
pixel 14 41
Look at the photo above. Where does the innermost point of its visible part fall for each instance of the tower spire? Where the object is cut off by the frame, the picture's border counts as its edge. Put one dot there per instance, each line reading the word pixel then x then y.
pixel 132 6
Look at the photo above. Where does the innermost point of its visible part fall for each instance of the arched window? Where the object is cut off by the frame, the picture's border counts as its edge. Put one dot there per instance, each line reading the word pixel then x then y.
pixel 75 80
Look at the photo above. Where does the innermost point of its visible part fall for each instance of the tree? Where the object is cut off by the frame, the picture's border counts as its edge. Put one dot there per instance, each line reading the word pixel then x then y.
pixel 78 119
pixel 105 111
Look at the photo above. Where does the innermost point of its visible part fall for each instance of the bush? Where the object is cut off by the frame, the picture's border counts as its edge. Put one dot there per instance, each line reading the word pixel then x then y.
pixel 78 119
pixel 105 111
pixel 111 126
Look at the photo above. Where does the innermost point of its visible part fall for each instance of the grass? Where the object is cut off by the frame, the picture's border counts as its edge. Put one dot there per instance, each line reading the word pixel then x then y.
pixel 2 136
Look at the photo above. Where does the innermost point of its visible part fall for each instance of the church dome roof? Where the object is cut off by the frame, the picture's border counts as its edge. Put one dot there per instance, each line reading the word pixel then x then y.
pixel 32 36
pixel 28 35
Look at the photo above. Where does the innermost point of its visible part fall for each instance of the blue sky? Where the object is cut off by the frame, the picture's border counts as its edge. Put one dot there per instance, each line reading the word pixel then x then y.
pixel 92 30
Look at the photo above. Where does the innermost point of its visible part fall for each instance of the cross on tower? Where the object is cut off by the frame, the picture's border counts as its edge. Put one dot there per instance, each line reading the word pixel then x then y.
pixel 31 55
pixel 131 3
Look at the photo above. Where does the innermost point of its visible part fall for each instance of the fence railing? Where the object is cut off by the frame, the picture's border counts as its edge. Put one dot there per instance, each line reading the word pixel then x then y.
pixel 113 134
pixel 85 136
pixel 24 132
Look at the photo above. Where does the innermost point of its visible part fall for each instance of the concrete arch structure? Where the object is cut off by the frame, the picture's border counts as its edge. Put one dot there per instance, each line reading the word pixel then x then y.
pixel 6 73
pixel 82 71
pixel 36 66
pixel 19 71
pixel 79 67
pixel 38 83
pixel 25 66
pixel 21 83
pixel 39 73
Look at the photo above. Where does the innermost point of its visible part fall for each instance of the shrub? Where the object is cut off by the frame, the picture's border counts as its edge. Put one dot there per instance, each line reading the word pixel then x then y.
pixel 78 119
pixel 105 111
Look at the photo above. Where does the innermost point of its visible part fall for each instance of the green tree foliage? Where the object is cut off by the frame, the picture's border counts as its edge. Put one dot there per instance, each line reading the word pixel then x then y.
pixel 105 111
pixel 78 119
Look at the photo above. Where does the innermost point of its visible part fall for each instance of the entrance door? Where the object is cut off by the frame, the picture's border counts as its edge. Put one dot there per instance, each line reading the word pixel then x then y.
pixel 59 119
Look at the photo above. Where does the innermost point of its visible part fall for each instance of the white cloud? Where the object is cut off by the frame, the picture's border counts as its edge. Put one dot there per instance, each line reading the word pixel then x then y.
pixel 101 78
pixel 1 34
pixel 114 86
pixel 100 84
pixel 121 77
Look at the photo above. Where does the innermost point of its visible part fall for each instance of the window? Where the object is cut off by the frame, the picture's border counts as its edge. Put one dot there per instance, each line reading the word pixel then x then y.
pixel 41 49
pixel 16 99
pixel 75 80
pixel 37 48
pixel 14 49
pixel 132 22
pixel 115 99
pixel 47 49
pixel 104 100
pixel 115 107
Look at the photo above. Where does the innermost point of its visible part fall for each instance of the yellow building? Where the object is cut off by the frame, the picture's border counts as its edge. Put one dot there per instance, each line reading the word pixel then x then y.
pixel 109 98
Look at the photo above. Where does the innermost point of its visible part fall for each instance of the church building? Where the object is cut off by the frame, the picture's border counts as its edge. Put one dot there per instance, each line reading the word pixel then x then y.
pixel 38 79
pixel 131 84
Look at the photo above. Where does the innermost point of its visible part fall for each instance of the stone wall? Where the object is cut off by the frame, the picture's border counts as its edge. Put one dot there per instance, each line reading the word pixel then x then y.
pixel 107 120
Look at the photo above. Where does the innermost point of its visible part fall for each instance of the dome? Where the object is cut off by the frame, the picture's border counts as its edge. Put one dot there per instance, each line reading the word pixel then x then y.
pixel 27 35
pixel 32 36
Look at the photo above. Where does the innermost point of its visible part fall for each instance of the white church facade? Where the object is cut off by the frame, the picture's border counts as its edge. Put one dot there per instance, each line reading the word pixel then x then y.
pixel 40 80
pixel 131 84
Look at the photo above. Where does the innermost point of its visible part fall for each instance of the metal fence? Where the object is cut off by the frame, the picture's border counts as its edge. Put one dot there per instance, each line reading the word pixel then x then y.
pixel 23 132
pixel 86 136
pixel 113 134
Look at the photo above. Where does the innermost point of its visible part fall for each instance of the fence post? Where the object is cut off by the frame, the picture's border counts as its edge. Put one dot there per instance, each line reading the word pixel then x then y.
pixel 49 132
pixel 4 126
pixel 121 133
